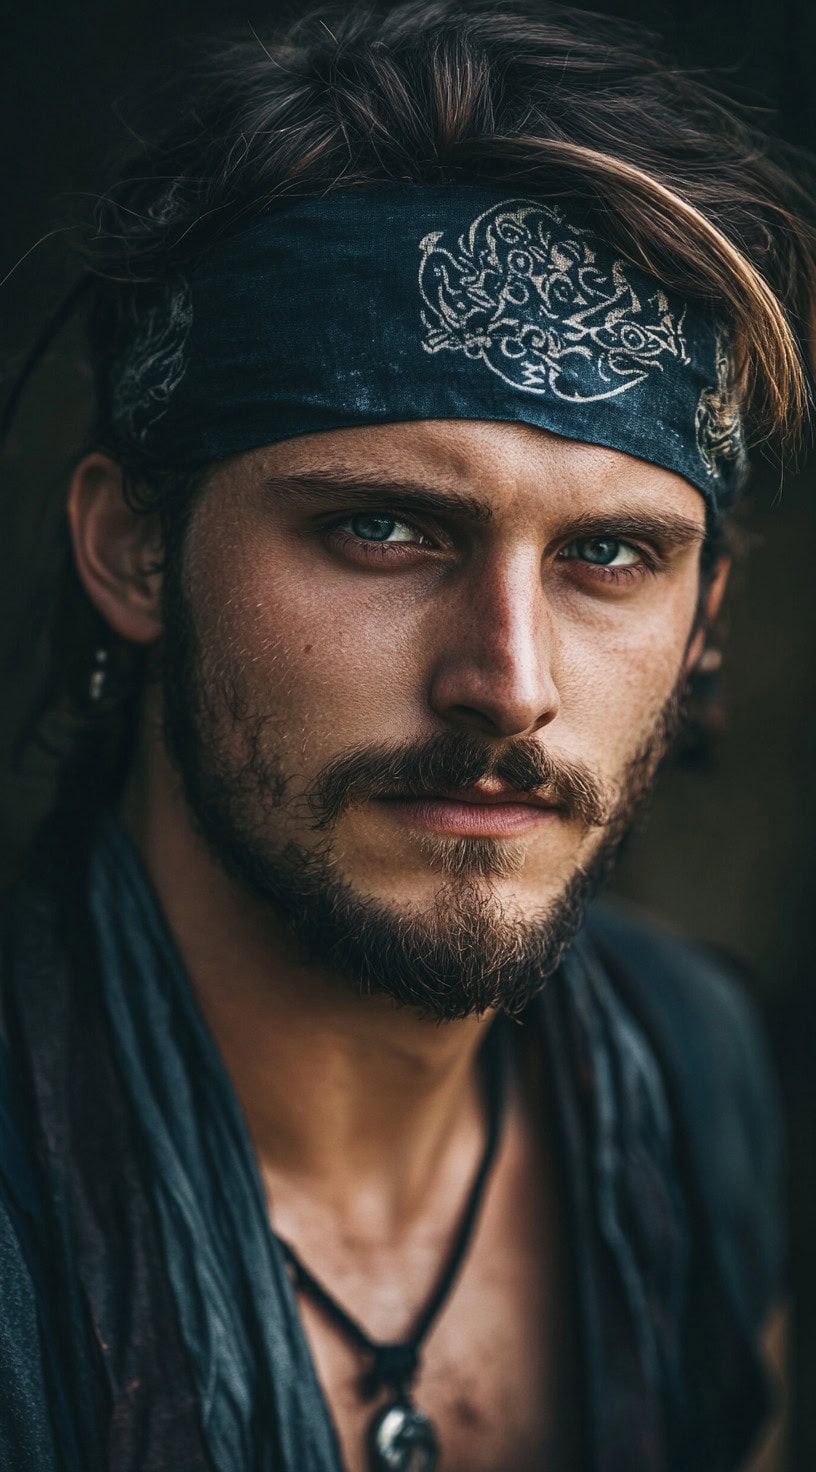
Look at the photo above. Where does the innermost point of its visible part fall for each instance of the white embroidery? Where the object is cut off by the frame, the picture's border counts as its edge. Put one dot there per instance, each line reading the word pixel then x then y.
pixel 154 362
pixel 524 291
pixel 717 422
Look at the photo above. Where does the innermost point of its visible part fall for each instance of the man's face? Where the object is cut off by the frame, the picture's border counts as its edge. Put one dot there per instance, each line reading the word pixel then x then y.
pixel 417 677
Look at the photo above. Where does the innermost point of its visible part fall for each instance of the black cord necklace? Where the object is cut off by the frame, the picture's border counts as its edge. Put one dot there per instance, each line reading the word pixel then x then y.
pixel 401 1438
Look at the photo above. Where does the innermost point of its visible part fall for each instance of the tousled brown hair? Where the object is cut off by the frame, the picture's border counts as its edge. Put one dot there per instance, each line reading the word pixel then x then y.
pixel 554 101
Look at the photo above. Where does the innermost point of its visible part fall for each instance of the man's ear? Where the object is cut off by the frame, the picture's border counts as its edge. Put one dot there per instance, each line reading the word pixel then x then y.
pixel 117 550
pixel 708 613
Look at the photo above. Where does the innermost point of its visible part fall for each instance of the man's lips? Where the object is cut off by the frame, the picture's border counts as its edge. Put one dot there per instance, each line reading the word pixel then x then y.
pixel 474 811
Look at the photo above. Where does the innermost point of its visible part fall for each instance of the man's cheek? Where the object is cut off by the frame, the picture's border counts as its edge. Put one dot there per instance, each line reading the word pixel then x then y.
pixel 317 694
pixel 342 664
pixel 609 706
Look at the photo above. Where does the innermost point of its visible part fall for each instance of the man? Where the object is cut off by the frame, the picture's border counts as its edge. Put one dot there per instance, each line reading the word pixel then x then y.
pixel 334 1135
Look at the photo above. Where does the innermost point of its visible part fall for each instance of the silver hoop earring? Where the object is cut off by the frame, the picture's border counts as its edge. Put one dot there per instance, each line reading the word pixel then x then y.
pixel 99 675
pixel 710 661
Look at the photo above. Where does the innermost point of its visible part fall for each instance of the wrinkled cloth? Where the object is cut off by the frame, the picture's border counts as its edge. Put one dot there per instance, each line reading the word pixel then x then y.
pixel 377 306
pixel 160 1259
pixel 260 1403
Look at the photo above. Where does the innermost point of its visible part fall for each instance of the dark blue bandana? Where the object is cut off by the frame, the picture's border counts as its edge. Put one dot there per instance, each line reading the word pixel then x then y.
pixel 378 306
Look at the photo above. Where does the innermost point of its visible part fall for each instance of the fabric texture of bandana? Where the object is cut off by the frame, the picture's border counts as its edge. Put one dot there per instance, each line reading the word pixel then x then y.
pixel 381 306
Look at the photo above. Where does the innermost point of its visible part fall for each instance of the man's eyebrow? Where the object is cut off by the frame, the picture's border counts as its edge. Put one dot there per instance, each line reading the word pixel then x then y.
pixel 668 527
pixel 327 486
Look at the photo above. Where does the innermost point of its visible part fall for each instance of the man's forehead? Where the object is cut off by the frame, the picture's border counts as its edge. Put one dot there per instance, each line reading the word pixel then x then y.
pixel 481 470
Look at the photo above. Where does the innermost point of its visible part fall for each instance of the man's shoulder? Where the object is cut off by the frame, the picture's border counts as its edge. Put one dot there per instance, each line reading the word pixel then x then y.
pixel 693 1003
pixel 692 997
pixel 695 988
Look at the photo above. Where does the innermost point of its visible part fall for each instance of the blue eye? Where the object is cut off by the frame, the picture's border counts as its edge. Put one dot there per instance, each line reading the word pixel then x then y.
pixel 602 552
pixel 374 527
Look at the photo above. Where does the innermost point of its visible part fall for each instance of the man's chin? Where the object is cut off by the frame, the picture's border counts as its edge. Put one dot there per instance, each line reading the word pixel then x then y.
pixel 433 898
pixel 441 873
pixel 448 945
pixel 467 952
pixel 461 945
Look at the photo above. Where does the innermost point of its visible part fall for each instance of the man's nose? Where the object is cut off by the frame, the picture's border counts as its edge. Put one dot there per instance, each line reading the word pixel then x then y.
pixel 494 671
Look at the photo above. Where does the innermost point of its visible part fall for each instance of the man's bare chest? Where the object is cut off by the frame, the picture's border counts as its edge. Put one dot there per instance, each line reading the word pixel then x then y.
pixel 496 1375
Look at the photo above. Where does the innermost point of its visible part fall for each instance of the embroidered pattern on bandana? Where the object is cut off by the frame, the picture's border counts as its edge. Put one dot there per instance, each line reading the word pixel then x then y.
pixel 154 363
pixel 524 292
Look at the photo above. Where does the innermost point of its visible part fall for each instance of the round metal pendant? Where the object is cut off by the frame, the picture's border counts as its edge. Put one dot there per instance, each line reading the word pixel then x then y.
pixel 402 1440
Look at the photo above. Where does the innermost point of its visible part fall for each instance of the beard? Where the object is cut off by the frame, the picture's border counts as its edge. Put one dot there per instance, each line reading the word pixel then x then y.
pixel 466 953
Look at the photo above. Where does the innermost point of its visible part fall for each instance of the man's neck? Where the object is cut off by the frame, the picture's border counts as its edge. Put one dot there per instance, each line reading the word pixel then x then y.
pixel 354 1106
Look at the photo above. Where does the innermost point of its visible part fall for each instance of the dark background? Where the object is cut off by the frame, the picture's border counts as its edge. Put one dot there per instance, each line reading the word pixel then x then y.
pixel 730 851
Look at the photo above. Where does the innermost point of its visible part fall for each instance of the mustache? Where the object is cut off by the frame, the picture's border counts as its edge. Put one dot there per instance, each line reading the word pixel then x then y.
pixel 449 763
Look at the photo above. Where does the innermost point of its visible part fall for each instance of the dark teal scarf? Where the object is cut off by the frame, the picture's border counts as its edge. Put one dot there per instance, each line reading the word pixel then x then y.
pixel 261 1405
pixel 169 1332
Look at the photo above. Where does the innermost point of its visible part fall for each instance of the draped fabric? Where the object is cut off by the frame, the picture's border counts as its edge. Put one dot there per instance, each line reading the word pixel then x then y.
pixel 160 1261
pixel 260 1404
